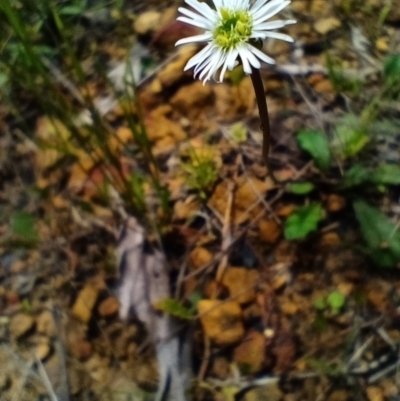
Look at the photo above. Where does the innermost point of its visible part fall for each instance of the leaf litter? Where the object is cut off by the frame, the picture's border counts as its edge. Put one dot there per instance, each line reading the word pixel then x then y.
pixel 290 302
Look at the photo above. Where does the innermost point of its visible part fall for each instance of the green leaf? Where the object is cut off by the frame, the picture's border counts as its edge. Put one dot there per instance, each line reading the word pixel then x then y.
pixel 174 308
pixel 73 10
pixel 301 188
pixel 303 221
pixel 380 233
pixel 238 133
pixel 388 174
pixel 23 225
pixel 315 143
pixel 336 300
pixel 26 306
pixel 391 69
pixel 384 174
pixel 357 175
pixel 349 137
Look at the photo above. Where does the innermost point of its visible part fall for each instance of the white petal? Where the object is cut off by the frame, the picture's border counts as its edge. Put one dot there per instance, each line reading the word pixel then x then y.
pixel 257 5
pixel 195 16
pixel 213 66
pixel 261 55
pixel 218 4
pixel 276 35
pixel 193 22
pixel 268 11
pixel 232 54
pixel 273 25
pixel 251 58
pixel 202 8
pixel 199 57
pixel 232 61
pixel 195 39
pixel 204 67
pixel 240 5
pixel 245 62
pixel 231 4
pixel 265 5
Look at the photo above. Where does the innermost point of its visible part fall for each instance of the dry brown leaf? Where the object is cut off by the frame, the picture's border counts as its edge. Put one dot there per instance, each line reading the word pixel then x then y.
pixel 269 231
pixel 250 353
pixel 191 100
pixel 375 393
pixel 285 210
pixel 325 25
pixel 84 303
pixel 329 239
pixel 20 325
pixel 378 299
pixel 231 101
pixel 249 192
pixel 173 72
pixel 199 257
pixel 119 139
pixel 324 86
pixel 339 395
pixel 289 308
pixel 147 22
pixel 335 203
pixel 108 307
pixel 222 321
pixel 241 283
pixel 382 44
pixel 162 131
pixel 221 367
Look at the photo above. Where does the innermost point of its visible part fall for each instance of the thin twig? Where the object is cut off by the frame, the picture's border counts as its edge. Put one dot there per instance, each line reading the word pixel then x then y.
pixel 206 359
pixel 46 381
pixel 226 233
pixel 63 389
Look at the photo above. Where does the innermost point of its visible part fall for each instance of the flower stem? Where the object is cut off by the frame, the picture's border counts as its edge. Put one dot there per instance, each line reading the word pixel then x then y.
pixel 264 117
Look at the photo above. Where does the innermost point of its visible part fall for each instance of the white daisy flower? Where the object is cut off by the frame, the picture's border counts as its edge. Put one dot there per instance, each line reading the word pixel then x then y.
pixel 231 31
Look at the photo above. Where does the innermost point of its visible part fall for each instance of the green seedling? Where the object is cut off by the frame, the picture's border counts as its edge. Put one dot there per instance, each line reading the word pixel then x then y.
pixel 381 235
pixel 303 221
pixel 175 308
pixel 350 136
pixel 301 188
pixel 238 133
pixel 333 303
pixel 26 306
pixel 200 171
pixel 336 301
pixel 316 144
pixel 23 226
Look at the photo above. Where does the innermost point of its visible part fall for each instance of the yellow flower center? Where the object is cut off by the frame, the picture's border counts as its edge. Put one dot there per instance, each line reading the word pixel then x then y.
pixel 233 28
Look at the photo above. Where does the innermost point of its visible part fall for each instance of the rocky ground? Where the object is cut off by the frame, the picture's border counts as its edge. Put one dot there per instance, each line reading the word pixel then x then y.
pixel 267 317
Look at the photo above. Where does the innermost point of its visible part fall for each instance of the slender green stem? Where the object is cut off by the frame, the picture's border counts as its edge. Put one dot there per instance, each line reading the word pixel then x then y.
pixel 264 117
